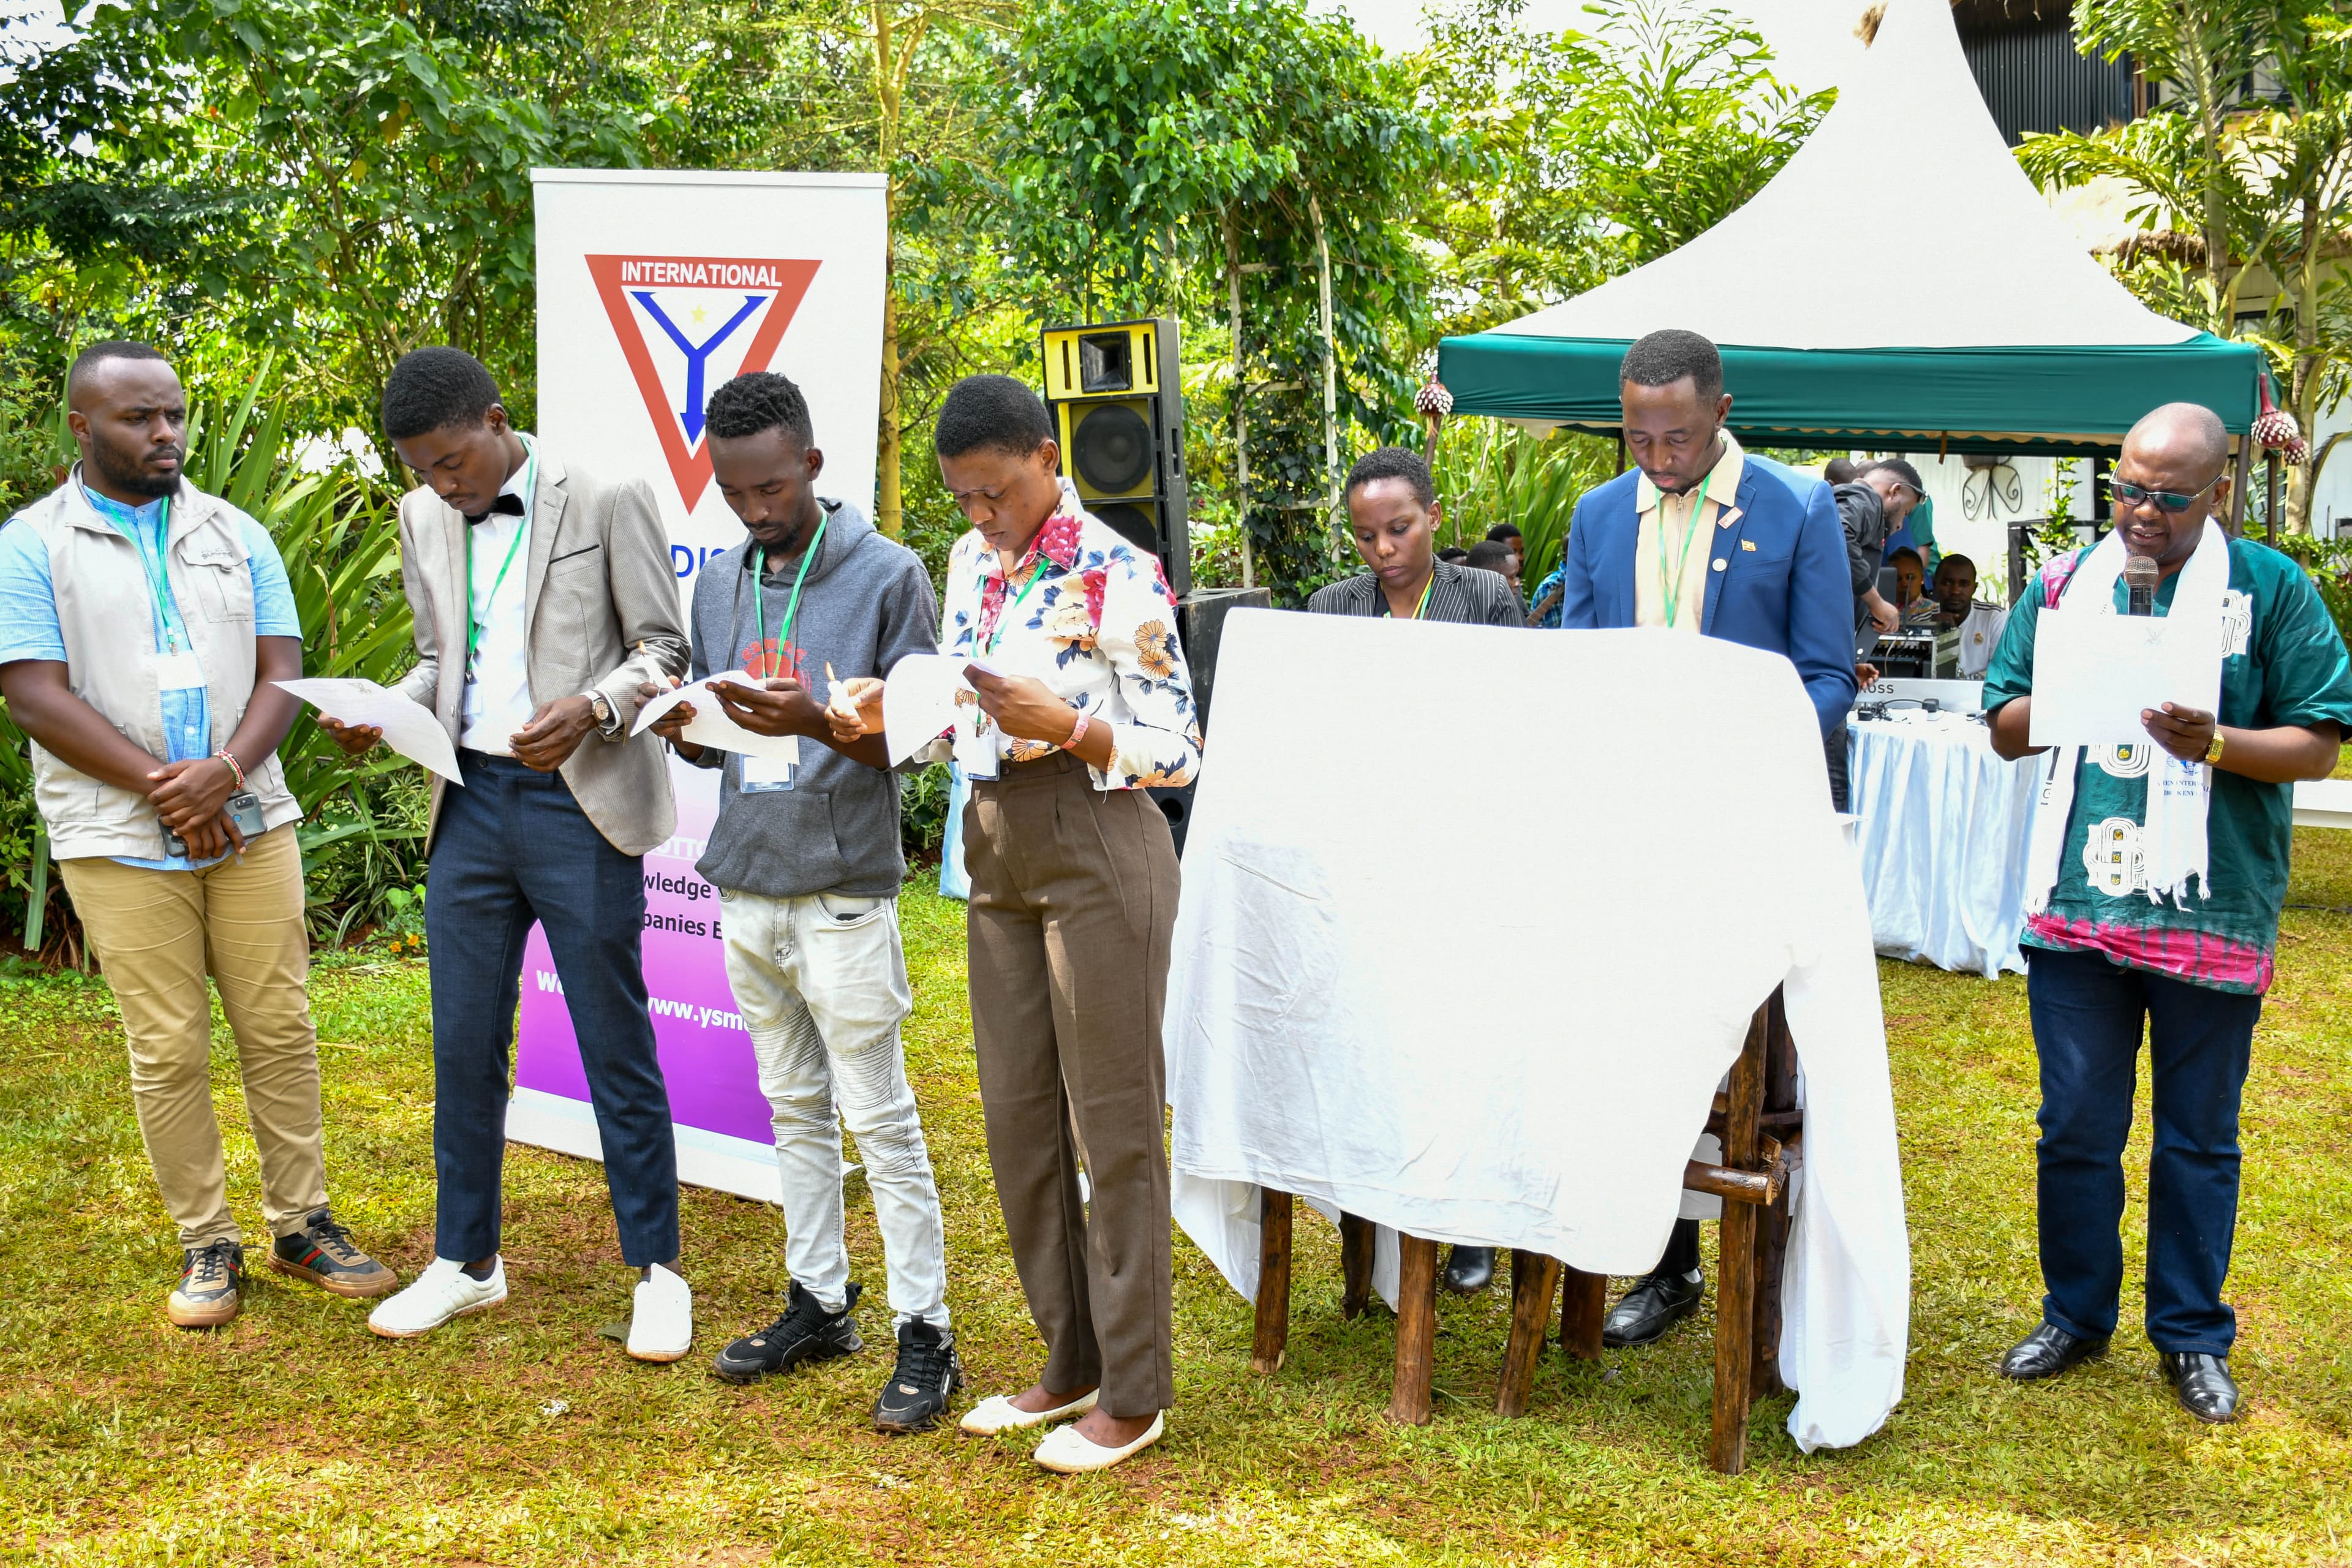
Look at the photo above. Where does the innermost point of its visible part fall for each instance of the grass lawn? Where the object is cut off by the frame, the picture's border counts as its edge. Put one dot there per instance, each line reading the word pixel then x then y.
pixel 519 1436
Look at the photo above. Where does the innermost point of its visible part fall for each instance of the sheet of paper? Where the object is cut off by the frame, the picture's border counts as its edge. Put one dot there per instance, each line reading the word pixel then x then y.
pixel 2094 673
pixel 409 728
pixel 710 726
pixel 919 700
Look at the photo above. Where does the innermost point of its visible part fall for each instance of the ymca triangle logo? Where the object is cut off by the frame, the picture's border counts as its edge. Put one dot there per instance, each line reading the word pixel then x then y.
pixel 688 323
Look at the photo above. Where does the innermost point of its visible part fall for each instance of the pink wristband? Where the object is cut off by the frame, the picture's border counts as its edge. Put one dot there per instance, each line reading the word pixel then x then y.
pixel 1077 734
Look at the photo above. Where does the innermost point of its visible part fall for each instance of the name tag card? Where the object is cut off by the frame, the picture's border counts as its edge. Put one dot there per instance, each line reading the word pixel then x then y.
pixel 178 672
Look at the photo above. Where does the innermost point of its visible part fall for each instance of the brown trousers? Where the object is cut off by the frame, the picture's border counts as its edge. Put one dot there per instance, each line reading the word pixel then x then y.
pixel 157 934
pixel 1073 905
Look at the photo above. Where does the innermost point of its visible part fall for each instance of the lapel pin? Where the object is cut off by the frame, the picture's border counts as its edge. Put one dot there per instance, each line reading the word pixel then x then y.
pixel 1747 544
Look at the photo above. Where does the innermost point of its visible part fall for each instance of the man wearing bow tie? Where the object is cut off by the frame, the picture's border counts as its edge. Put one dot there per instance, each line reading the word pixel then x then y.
pixel 543 598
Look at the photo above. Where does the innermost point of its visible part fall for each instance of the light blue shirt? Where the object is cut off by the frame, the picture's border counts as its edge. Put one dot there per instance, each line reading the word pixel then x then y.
pixel 29 628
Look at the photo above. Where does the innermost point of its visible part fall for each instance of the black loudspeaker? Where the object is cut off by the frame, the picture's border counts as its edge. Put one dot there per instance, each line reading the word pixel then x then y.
pixel 1117 402
pixel 1200 622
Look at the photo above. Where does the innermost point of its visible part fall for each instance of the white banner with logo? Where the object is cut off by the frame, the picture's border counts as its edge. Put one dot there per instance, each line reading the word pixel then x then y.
pixel 655 288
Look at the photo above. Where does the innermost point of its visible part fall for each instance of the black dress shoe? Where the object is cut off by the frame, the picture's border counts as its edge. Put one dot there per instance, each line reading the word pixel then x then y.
pixel 2204 1384
pixel 2047 1351
pixel 1656 1303
pixel 1469 1270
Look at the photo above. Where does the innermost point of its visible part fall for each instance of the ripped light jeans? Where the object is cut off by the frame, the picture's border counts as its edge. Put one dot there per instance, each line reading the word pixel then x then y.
pixel 822 982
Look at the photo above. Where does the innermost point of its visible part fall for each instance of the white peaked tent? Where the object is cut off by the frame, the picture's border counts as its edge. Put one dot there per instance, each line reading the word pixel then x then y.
pixel 1983 323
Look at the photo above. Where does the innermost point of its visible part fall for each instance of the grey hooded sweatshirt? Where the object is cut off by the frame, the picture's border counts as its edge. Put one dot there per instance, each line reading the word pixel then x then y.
pixel 867 603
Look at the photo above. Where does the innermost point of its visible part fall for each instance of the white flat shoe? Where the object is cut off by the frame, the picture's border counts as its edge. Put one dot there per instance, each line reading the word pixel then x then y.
pixel 998 1413
pixel 1071 1453
pixel 442 1292
pixel 661 1316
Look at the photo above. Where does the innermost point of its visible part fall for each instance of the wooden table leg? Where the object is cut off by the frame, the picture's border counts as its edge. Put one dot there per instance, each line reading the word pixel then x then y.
pixel 1355 1235
pixel 1272 1334
pixel 1583 1306
pixel 1735 1282
pixel 1533 1277
pixel 1416 1330
pixel 1772 1225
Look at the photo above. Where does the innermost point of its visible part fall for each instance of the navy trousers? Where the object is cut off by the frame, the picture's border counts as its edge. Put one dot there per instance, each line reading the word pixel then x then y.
pixel 513 846
pixel 2087 1017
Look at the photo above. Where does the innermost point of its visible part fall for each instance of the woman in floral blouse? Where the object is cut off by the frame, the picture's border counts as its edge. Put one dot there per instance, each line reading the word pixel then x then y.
pixel 1082 702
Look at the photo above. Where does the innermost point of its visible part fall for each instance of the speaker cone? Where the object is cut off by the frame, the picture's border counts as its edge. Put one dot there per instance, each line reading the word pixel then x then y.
pixel 1131 524
pixel 1112 449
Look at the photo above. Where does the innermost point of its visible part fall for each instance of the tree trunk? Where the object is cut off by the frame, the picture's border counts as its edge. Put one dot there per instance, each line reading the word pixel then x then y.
pixel 1337 525
pixel 2302 383
pixel 1241 403
pixel 889 502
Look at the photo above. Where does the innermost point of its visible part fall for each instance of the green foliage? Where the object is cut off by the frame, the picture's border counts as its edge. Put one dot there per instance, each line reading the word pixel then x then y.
pixel 923 811
pixel 1489 473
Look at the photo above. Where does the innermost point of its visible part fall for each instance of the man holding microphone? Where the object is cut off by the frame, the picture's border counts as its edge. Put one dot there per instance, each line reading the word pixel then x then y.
pixel 2115 934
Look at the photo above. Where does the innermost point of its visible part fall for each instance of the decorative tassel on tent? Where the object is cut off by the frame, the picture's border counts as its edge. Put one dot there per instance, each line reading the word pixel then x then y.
pixel 1434 404
pixel 2276 431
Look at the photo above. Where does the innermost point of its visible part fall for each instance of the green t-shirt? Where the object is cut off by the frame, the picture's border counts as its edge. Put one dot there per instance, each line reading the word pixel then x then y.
pixel 2286 665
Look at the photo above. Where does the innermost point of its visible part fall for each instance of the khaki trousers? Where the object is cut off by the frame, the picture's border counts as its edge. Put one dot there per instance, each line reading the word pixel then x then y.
pixel 157 934
pixel 1073 905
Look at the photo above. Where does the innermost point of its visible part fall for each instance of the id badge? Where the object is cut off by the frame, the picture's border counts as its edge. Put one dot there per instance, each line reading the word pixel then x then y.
pixel 178 672
pixel 764 774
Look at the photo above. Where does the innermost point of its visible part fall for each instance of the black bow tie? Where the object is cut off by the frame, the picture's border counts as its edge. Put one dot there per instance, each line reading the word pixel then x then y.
pixel 506 501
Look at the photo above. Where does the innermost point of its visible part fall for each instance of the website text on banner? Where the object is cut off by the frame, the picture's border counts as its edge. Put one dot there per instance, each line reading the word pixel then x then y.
pixel 779 272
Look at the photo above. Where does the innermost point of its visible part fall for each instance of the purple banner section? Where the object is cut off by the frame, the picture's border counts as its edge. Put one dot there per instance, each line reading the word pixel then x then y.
pixel 714 1085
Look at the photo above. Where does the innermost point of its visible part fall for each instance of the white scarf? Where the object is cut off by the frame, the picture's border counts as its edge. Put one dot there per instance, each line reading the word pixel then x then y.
pixel 2172 836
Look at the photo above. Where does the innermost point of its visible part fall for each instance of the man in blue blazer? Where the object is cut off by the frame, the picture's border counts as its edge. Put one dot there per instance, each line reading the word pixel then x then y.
pixel 1704 538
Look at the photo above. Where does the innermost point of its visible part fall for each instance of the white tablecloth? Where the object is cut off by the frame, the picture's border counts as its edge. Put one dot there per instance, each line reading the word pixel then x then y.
pixel 1508 1040
pixel 1944 824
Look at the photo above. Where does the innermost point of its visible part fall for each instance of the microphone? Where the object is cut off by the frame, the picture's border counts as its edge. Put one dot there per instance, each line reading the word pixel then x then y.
pixel 2139 577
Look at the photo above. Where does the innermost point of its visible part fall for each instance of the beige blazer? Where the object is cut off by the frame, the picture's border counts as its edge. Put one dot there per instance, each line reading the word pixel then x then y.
pixel 601 610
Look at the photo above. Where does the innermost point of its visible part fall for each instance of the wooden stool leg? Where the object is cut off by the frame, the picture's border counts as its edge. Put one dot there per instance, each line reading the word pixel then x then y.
pixel 1355 1235
pixel 1583 1306
pixel 1735 1280
pixel 1533 1277
pixel 1273 1335
pixel 1416 1331
pixel 1771 1255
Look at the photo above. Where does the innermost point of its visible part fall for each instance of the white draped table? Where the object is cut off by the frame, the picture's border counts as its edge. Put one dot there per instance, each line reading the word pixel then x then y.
pixel 1943 830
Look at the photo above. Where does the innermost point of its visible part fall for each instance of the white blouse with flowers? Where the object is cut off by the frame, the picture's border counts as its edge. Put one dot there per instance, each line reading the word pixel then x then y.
pixel 1090 614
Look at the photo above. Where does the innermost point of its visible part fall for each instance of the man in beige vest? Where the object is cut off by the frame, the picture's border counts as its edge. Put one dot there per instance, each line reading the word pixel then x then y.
pixel 156 768
pixel 543 599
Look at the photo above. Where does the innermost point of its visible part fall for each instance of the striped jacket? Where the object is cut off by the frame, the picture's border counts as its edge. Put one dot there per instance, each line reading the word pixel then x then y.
pixel 1465 595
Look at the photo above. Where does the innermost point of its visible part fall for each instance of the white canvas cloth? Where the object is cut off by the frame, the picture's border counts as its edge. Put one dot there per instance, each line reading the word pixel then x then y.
pixel 1944 825
pixel 1389 998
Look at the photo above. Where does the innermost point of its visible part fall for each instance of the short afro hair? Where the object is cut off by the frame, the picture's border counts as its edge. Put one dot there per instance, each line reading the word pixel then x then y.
pixel 1454 553
pixel 432 388
pixel 1900 551
pixel 1504 532
pixel 1841 471
pixel 97 353
pixel 1490 555
pixel 991 413
pixel 1901 470
pixel 1668 355
pixel 1394 463
pixel 755 401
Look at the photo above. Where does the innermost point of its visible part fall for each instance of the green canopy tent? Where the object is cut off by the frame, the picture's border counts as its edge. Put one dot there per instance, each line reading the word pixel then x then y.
pixel 1986 328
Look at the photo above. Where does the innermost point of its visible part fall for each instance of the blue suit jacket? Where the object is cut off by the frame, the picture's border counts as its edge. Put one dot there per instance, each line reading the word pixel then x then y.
pixel 1776 576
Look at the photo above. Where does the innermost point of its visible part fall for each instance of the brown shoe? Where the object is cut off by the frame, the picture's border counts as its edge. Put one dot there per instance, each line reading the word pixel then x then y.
pixel 323 1253
pixel 206 1296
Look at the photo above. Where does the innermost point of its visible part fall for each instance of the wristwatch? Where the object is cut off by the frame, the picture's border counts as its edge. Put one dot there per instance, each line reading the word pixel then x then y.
pixel 2213 747
pixel 601 706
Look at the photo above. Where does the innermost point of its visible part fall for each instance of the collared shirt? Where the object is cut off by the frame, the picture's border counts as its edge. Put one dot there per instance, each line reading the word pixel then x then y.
pixel 1466 595
pixel 2282 663
pixel 1668 561
pixel 28 608
pixel 1090 615
pixel 498 685
pixel 1980 635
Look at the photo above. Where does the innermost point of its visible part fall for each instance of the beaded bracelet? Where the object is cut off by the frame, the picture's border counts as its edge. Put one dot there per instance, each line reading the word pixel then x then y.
pixel 235 767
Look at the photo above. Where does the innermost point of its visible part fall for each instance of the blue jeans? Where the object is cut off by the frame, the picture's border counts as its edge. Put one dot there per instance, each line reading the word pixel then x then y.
pixel 512 847
pixel 2087 1014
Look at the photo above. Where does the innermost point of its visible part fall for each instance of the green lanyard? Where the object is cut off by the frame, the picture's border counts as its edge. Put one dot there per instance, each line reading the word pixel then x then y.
pixel 760 593
pixel 159 583
pixel 1420 606
pixel 474 622
pixel 1673 594
pixel 1005 619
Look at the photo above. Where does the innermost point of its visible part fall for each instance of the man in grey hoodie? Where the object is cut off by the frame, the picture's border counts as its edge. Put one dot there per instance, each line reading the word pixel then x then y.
pixel 805 856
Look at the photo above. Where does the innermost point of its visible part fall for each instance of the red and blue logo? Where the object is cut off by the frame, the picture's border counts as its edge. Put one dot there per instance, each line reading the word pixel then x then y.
pixel 686 324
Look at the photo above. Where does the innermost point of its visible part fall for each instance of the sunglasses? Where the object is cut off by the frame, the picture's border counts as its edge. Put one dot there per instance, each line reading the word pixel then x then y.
pixel 2173 501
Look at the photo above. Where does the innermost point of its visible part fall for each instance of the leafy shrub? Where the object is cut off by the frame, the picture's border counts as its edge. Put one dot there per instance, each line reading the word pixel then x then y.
pixel 923 811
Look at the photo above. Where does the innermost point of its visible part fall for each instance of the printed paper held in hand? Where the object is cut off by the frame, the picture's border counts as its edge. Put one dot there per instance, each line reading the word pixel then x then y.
pixel 710 726
pixel 2093 674
pixel 409 728
pixel 919 701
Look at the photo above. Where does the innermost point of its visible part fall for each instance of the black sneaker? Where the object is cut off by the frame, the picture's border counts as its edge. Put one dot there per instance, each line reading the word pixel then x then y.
pixel 805 1332
pixel 210 1278
pixel 323 1253
pixel 926 1378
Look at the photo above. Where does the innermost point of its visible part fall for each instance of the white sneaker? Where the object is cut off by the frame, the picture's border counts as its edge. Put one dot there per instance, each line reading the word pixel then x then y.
pixel 445 1290
pixel 661 1316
